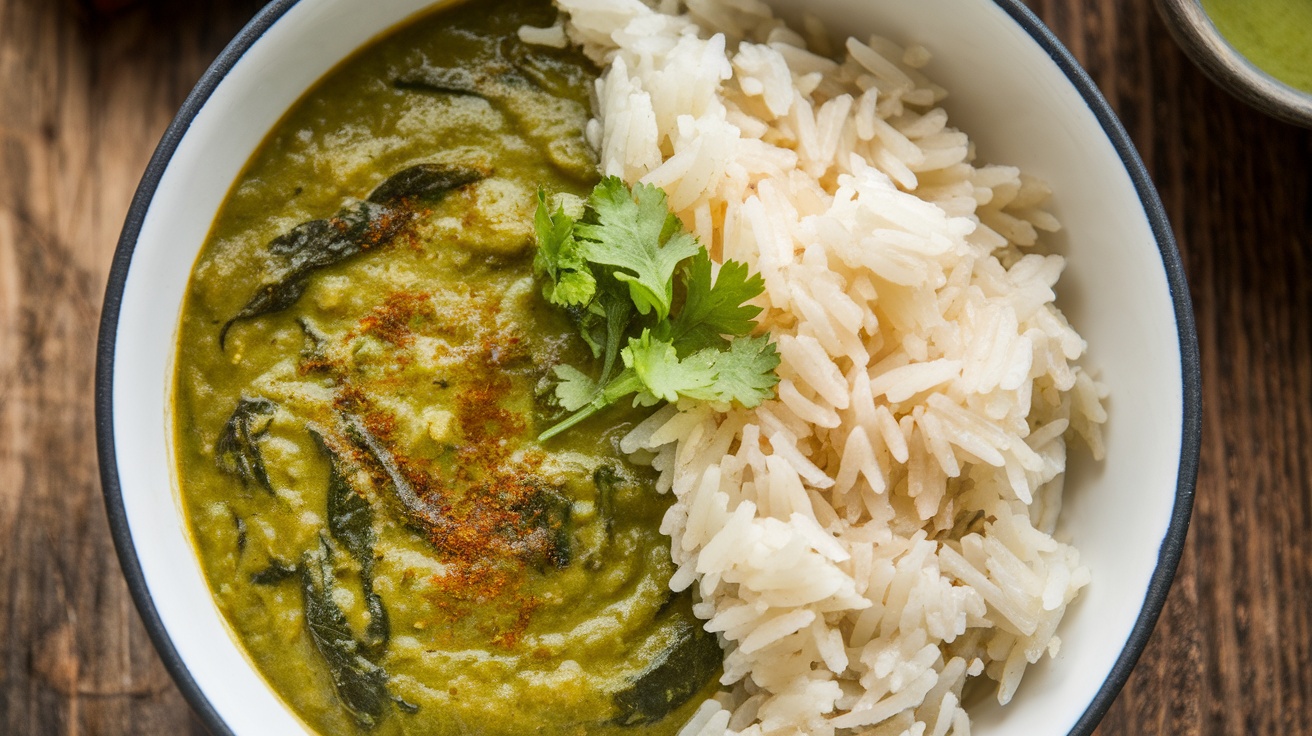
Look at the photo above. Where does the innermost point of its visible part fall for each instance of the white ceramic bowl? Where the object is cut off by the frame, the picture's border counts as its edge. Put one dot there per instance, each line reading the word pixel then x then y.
pixel 1013 88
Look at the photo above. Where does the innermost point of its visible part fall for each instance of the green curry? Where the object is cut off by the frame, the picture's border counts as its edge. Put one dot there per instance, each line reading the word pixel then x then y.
pixel 361 375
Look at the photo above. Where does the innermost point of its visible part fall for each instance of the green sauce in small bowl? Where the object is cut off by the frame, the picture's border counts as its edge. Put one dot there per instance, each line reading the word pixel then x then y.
pixel 1275 35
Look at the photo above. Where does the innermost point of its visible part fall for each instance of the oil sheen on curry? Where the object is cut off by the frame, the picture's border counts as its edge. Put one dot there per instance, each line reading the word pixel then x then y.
pixel 360 382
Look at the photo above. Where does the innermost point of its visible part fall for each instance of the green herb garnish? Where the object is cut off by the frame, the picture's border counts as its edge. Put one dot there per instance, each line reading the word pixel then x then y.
pixel 641 290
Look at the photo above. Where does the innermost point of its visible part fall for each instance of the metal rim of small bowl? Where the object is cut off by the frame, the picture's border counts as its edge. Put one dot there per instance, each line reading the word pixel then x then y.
pixel 1200 39
pixel 1191 375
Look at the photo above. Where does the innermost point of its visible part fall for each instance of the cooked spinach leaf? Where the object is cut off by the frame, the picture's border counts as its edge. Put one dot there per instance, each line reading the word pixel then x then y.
pixel 357 227
pixel 418 511
pixel 379 629
pixel 541 533
pixel 560 73
pixel 315 353
pixel 238 522
pixel 606 479
pixel 451 81
pixel 350 519
pixel 237 452
pixel 545 529
pixel 351 523
pixel 423 182
pixel 313 245
pixel 361 685
pixel 517 85
pixel 683 668
pixel 405 705
pixel 275 573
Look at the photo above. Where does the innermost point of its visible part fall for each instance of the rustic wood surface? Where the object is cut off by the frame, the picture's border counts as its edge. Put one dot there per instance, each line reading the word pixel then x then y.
pixel 84 97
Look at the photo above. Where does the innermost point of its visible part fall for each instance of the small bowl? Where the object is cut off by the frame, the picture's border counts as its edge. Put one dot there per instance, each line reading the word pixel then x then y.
pixel 1018 93
pixel 1194 30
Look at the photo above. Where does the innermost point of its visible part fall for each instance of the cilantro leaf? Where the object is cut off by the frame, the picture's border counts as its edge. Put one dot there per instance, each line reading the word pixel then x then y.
pixel 712 310
pixel 664 377
pixel 617 388
pixel 745 372
pixel 569 280
pixel 575 389
pixel 613 271
pixel 636 233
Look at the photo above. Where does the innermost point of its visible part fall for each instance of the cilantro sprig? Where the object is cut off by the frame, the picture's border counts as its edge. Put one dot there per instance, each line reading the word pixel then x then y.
pixel 646 300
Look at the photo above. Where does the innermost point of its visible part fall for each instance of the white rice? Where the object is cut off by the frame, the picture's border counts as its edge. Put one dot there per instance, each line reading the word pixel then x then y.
pixel 881 532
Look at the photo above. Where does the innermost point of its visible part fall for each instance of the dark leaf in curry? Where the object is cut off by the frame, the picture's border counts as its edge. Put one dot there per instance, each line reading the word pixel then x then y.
pixel 313 245
pixel 452 81
pixel 518 88
pixel 561 73
pixel 350 518
pixel 424 182
pixel 275 573
pixel 357 227
pixel 361 685
pixel 542 533
pixel 607 480
pixel 418 511
pixel 237 450
pixel 318 243
pixel 238 522
pixel 679 672
pixel 379 629
pixel 545 531
pixel 351 523
pixel 405 705
pixel 314 355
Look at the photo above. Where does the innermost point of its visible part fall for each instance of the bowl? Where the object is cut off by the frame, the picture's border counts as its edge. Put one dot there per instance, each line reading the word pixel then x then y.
pixel 1014 88
pixel 1204 44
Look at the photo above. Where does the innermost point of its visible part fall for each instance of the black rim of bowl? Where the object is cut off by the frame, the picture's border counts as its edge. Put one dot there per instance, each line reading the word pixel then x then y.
pixel 1191 434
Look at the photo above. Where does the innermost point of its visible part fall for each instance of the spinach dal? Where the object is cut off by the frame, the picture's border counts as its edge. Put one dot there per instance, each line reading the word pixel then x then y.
pixel 361 379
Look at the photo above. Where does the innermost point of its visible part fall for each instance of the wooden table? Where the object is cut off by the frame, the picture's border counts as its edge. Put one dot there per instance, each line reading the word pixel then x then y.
pixel 84 99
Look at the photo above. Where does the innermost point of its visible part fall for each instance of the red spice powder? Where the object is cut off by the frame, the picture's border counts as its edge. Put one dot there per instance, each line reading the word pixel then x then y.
pixel 395 319
pixel 490 525
pixel 493 534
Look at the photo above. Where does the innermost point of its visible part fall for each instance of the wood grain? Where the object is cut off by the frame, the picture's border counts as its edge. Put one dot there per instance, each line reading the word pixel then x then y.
pixel 84 99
